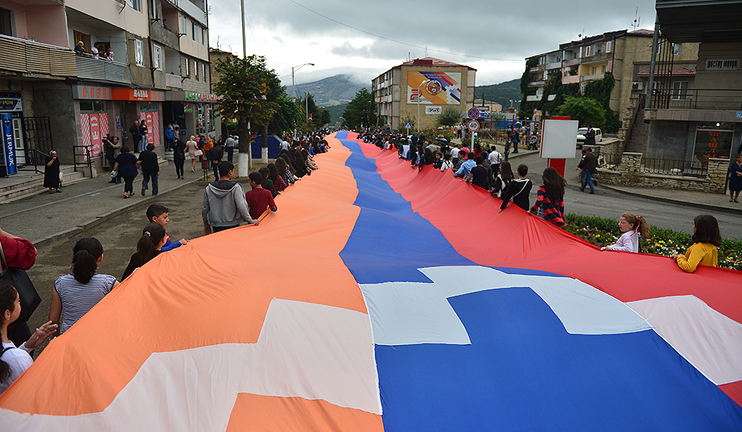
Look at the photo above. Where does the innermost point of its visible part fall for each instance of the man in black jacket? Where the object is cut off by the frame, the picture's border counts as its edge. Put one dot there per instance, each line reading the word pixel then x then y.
pixel 136 136
pixel 518 190
pixel 215 155
pixel 150 169
pixel 589 164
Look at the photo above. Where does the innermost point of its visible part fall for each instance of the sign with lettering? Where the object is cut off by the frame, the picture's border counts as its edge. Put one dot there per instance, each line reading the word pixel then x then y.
pixel 434 110
pixel 10 105
pixel 11 166
pixel 198 97
pixel 138 95
pixel 95 138
pixel 91 92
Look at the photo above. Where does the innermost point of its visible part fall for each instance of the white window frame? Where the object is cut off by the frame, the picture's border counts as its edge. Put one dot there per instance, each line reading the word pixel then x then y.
pixel 184 25
pixel 608 46
pixel 135 4
pixel 203 71
pixel 157 57
pixel 194 31
pixel 139 52
pixel 203 35
pixel 722 64
pixel 194 70
pixel 679 90
pixel 587 51
pixel 676 48
pixel 187 68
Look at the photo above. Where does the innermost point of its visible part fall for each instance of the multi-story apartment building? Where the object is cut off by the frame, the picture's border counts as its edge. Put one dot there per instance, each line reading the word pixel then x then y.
pixel 696 117
pixel 424 86
pixel 587 60
pixel 152 64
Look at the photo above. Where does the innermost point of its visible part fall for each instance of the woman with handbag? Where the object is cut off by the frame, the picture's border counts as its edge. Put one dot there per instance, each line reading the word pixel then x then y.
pixel 51 173
pixel 14 361
pixel 193 149
pixel 76 293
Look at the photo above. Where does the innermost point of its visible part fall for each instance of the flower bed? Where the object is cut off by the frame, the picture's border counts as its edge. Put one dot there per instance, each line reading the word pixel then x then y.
pixel 603 232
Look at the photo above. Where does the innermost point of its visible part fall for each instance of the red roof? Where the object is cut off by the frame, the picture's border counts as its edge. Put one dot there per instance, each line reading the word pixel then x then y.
pixel 433 62
pixel 663 71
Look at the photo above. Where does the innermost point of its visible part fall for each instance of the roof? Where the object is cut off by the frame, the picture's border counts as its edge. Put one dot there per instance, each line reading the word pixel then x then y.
pixel 431 62
pixel 678 71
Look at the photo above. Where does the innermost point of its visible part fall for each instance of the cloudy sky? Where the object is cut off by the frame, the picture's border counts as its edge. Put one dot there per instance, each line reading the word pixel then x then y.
pixel 366 38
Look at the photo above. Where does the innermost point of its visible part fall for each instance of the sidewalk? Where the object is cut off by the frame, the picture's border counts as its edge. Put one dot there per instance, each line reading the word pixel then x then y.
pixel 44 217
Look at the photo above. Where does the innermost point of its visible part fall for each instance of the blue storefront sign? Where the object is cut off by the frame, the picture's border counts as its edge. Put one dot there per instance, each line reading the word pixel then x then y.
pixel 11 166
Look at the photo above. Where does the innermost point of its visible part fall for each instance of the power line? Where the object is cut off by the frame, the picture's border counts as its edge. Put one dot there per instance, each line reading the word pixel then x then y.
pixel 394 40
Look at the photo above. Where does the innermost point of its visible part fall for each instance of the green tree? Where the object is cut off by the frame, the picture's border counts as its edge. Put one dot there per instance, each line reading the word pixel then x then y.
pixel 584 109
pixel 361 111
pixel 450 116
pixel 287 115
pixel 249 93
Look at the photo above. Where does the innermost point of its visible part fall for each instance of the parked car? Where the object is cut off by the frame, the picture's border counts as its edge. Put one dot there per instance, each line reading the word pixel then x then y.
pixel 581 136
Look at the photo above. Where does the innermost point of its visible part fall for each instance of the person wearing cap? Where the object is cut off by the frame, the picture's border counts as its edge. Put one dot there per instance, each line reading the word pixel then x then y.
pixel 80 49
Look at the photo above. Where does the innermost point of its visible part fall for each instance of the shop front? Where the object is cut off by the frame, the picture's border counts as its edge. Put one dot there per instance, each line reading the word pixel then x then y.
pixel 143 105
pixel 95 108
pixel 195 113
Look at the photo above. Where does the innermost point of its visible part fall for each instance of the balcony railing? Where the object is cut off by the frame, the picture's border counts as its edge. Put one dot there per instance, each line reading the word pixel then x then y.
pixel 172 80
pixel 597 58
pixel 20 55
pixel 701 99
pixel 95 69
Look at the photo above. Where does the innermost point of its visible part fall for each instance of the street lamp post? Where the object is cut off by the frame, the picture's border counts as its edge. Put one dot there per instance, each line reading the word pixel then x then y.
pixel 293 84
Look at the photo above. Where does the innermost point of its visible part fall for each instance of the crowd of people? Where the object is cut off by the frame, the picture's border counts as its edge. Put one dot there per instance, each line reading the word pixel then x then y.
pixel 226 205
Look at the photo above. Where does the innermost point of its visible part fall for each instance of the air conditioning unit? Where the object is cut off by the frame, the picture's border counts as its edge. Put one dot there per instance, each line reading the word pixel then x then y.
pixel 637 85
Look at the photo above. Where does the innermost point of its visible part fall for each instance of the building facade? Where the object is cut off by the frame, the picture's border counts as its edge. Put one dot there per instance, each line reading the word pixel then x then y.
pixel 697 117
pixel 78 70
pixel 420 89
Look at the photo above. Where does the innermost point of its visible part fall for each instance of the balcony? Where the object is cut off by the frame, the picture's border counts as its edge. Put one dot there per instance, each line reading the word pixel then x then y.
pixel 597 58
pixel 554 65
pixel 164 36
pixel 571 62
pixel 172 80
pixel 103 70
pixel 698 99
pixel 592 77
pixel 28 57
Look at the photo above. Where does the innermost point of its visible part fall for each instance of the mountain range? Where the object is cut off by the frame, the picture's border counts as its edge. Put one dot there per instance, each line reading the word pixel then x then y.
pixel 336 91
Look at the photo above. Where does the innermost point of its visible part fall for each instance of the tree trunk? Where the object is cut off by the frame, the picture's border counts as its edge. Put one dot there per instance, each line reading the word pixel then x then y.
pixel 243 157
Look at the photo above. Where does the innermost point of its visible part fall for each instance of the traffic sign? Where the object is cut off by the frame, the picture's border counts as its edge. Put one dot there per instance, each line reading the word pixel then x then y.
pixel 473 113
pixel 408 125
pixel 473 125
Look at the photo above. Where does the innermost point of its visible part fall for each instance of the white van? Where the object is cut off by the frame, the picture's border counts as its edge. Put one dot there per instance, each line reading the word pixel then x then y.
pixel 581 136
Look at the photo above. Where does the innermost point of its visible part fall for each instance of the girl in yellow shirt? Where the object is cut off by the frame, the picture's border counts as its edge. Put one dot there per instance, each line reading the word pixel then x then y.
pixel 706 238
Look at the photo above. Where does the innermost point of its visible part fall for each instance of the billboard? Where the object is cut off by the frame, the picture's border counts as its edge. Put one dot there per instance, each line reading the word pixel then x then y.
pixel 436 88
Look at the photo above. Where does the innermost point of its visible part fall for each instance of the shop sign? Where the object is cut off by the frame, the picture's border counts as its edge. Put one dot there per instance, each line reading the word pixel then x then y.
pixel 138 95
pixel 9 144
pixel 10 105
pixel 91 92
pixel 198 97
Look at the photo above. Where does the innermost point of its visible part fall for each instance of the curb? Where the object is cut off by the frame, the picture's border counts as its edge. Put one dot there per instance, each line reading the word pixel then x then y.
pixel 675 201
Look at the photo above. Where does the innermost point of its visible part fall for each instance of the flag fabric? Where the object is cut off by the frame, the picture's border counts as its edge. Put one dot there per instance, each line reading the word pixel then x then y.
pixel 383 298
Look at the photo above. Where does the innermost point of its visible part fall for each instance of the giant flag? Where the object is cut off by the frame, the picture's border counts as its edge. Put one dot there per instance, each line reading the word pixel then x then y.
pixel 380 298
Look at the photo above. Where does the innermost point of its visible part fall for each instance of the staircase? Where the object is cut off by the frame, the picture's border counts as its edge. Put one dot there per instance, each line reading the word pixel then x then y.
pixel 637 140
pixel 27 183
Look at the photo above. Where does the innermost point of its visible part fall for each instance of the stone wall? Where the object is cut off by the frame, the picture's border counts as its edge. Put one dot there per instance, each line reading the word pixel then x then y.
pixel 628 173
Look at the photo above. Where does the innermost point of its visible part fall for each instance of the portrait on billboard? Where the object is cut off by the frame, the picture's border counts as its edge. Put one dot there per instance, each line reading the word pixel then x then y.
pixel 436 88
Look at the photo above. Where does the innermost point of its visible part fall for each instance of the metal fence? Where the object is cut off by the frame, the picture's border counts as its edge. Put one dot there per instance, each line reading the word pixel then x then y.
pixel 694 168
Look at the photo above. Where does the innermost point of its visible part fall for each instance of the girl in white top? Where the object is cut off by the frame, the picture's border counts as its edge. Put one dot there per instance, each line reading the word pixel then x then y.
pixel 14 361
pixel 632 227
pixel 446 162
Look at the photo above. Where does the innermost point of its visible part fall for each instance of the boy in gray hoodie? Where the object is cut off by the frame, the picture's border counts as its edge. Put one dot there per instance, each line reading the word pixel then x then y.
pixel 224 202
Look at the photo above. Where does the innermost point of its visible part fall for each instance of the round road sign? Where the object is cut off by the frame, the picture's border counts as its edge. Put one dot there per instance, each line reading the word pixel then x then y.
pixel 473 113
pixel 473 125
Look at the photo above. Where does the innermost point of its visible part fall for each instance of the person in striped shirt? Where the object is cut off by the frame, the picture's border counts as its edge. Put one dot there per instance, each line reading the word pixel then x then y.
pixel 549 203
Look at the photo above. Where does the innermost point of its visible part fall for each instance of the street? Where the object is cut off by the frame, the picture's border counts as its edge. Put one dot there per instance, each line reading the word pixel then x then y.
pixel 120 232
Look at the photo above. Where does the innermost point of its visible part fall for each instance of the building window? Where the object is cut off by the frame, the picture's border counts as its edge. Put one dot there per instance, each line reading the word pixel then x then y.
pixel 679 90
pixel 676 47
pixel 187 68
pixel 203 71
pixel 184 25
pixel 194 70
pixel 135 4
pixel 603 69
pixel 139 52
pixel 6 22
pixel 608 46
pixel 157 57
pixel 92 106
pixel 722 64
pixel 587 51
pixel 593 70
pixel 194 31
pixel 598 47
pixel 203 35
